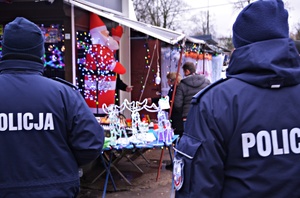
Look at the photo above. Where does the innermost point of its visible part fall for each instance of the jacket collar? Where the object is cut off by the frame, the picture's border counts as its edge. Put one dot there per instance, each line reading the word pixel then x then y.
pixel 20 62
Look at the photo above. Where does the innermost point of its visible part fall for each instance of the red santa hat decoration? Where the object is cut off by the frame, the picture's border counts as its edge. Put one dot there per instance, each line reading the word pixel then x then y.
pixel 100 60
pixel 96 30
pixel 104 46
pixel 96 24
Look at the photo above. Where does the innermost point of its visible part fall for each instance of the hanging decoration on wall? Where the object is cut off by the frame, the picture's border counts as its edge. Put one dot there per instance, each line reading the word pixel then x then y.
pixel 54 45
pixel 196 52
pixel 157 78
pixel 89 80
pixel 81 45
pixel 198 56
pixel 55 57
pixel 148 66
pixel 52 34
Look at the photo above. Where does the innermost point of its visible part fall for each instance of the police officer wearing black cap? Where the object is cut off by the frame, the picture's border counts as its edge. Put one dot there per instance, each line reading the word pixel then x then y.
pixel 47 130
pixel 242 136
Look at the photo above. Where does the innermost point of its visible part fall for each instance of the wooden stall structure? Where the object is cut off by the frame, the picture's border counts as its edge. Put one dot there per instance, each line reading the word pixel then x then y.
pixel 66 24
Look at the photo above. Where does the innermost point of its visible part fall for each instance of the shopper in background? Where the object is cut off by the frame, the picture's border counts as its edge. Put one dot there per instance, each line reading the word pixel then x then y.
pixel 242 133
pixel 121 85
pixel 47 130
pixel 175 119
pixel 188 87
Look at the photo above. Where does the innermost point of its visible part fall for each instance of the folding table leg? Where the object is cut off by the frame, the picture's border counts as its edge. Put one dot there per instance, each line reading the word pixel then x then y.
pixel 112 165
pixel 132 162
pixel 143 156
pixel 160 163
pixel 121 174
pixel 108 174
pixel 138 150
pixel 98 176
pixel 106 159
pixel 160 160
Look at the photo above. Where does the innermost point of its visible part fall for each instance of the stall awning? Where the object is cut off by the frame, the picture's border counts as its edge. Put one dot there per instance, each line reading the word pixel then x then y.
pixel 166 35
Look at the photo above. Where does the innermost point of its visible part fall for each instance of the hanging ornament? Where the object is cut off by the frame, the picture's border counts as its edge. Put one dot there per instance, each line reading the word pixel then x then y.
pixel 157 78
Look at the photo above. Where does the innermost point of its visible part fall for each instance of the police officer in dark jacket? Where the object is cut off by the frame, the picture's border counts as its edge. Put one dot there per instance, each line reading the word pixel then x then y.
pixel 242 136
pixel 47 130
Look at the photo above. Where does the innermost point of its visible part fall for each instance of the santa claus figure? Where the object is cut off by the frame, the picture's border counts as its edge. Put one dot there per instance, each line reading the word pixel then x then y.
pixel 100 60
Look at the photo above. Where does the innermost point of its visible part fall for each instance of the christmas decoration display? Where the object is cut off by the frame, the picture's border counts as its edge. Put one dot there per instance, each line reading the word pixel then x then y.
pixel 157 78
pixel 55 59
pixel 165 132
pixel 139 128
pixel 100 81
pixel 148 66
pixel 116 128
pixel 140 132
pixel 54 45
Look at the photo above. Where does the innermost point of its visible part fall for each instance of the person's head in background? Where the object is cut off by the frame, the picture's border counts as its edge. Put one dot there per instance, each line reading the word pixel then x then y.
pixel 189 68
pixel 172 78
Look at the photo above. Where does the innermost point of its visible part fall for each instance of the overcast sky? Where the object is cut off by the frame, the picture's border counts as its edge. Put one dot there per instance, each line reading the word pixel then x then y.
pixel 223 15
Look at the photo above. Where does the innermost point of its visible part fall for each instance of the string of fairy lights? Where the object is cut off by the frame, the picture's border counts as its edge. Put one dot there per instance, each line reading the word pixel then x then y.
pixel 93 81
pixel 147 67
pixel 54 45
pixel 94 78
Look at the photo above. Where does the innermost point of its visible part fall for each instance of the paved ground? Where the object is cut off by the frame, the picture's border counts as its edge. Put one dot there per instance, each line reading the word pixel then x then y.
pixel 142 184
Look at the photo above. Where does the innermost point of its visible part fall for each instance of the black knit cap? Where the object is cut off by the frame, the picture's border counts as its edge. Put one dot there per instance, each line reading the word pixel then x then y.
pixel 259 21
pixel 21 36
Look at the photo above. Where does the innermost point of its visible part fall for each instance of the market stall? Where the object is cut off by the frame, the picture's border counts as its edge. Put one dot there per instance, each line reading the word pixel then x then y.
pixel 67 28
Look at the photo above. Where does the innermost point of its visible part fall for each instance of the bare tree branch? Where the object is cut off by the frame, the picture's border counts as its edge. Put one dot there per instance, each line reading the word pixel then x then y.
pixel 158 12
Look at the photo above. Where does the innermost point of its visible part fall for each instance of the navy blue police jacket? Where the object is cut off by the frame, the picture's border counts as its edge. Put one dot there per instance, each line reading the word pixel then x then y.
pixel 46 132
pixel 242 136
